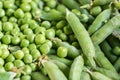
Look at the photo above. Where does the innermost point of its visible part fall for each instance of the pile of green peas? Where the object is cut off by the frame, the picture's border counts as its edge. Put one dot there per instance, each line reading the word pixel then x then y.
pixel 60 39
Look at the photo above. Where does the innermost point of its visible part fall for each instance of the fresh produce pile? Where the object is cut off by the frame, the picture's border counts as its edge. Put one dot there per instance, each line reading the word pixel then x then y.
pixel 59 40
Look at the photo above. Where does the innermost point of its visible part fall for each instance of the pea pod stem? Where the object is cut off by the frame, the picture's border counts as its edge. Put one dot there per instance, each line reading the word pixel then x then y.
pixel 82 37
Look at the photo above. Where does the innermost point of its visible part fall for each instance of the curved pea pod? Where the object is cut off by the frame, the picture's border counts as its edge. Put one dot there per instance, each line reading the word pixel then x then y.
pixel 106 48
pixel 108 73
pixel 52 15
pixel 106 30
pixel 82 36
pixel 38 76
pixel 53 71
pixel 63 67
pixel 76 68
pixel 102 2
pixel 98 76
pixel 85 76
pixel 72 51
pixel 63 60
pixel 117 64
pixel 102 61
pixel 103 16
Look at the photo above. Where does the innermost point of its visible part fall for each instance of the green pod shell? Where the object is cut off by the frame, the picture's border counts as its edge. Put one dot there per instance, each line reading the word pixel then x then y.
pixel 76 68
pixel 85 76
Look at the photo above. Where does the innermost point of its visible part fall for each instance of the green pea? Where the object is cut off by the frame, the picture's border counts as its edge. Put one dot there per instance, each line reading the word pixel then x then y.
pixel 33 24
pixel 116 50
pixel 9 12
pixel 19 13
pixel 33 5
pixel 48 42
pixel 2 13
pixel 24 26
pixel 10 58
pixel 28 15
pixel 60 24
pixel 62 51
pixel 24 43
pixel 26 77
pixel 35 54
pixel 76 44
pixel 52 3
pixel 36 13
pixel 27 58
pixel 12 20
pixel 28 31
pixel 95 10
pixel 1 4
pixel 46 24
pixel 1 35
pixel 39 39
pixel 15 40
pixel 1 62
pixel 50 33
pixel 18 63
pixel 8 4
pixel 30 37
pixel 33 66
pixel 18 54
pixel 58 32
pixel 5 53
pixel 40 30
pixel 25 7
pixel 7 26
pixel 32 46
pixel 44 48
pixel 4 19
pixel 6 39
pixel 63 36
pixel 67 30
pixel 2 69
pixel 27 69
pixel 9 66
pixel 47 9
pixel 76 11
pixel 25 50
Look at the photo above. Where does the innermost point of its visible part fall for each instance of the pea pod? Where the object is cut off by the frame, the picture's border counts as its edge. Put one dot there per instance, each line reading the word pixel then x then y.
pixel 82 37
pixel 117 64
pixel 102 61
pixel 85 76
pixel 38 76
pixel 99 21
pixel 83 2
pixel 63 60
pixel 53 71
pixel 76 68
pixel 102 2
pixel 106 30
pixel 98 76
pixel 109 73
pixel 63 67
pixel 106 48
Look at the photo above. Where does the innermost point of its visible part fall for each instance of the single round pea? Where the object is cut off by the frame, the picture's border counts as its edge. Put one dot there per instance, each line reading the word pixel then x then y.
pixel 67 30
pixel 1 62
pixel 27 69
pixel 3 46
pixel 26 77
pixel 15 40
pixel 50 33
pixel 10 12
pixel 12 20
pixel 9 66
pixel 19 13
pixel 61 24
pixel 25 50
pixel 19 54
pixel 62 51
pixel 22 36
pixel 27 58
pixel 30 37
pixel 24 43
pixel 15 32
pixel 1 35
pixel 39 39
pixel 28 15
pixel 58 32
pixel 32 46
pixel 63 36
pixel 44 49
pixel 1 4
pixel 46 24
pixel 52 3
pixel 2 13
pixel 33 66
pixel 40 30
pixel 33 24
pixel 33 5
pixel 7 26
pixel 28 31
pixel 49 43
pixel 76 11
pixel 47 9
pixel 116 50
pixel 25 7
pixel 76 44
pixel 95 10
pixel 24 26
pixel 84 18
pixel 36 13
pixel 5 53
pixel 8 4
pixel 2 69
pixel 35 54
pixel 18 63
pixel 10 58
